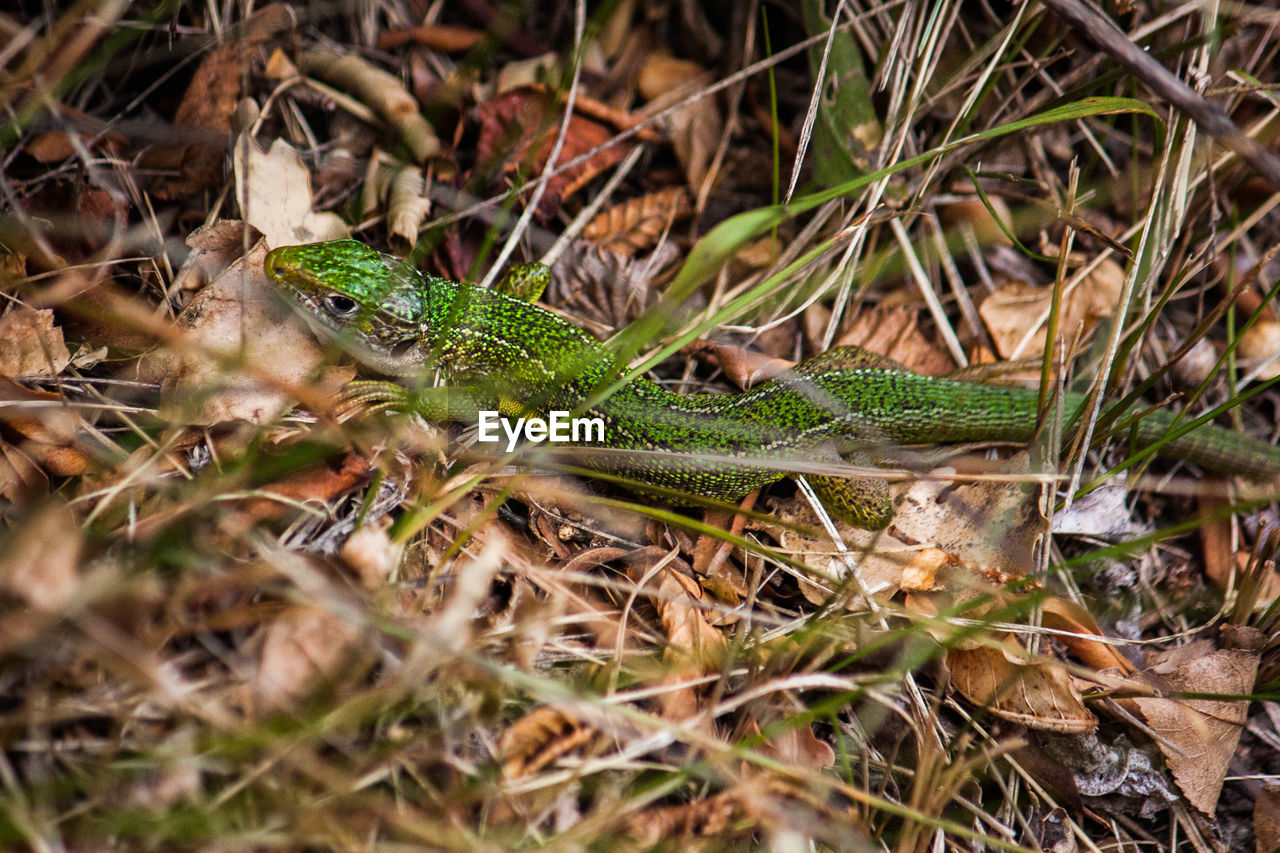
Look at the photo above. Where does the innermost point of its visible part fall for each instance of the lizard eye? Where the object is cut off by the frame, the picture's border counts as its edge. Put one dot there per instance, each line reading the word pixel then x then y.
pixel 342 306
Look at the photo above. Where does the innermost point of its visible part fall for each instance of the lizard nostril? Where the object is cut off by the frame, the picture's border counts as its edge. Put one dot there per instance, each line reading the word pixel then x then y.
pixel 277 271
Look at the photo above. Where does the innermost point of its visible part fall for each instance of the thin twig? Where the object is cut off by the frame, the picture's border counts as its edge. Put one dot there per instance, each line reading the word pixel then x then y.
pixel 1210 117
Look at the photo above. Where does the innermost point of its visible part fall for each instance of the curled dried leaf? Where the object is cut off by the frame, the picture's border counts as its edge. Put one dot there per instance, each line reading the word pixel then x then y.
pixel 539 738
pixel 637 224
pixel 1038 695
pixel 407 206
pixel 384 93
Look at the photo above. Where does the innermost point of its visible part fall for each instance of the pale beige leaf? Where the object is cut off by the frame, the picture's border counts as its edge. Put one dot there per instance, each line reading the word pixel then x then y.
pixel 41 559
pixel 1260 349
pixel 1196 366
pixel 237 319
pixel 30 345
pixel 305 648
pixel 1017 307
pixel 381 90
pixel 520 73
pixel 274 191
pixel 990 524
pixel 1103 513
pixel 407 205
pixel 370 551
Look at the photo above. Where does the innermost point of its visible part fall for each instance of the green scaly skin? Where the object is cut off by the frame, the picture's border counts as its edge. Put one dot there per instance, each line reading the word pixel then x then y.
pixel 496 350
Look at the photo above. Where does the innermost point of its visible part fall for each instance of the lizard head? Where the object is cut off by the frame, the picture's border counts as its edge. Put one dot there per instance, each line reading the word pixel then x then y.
pixel 369 302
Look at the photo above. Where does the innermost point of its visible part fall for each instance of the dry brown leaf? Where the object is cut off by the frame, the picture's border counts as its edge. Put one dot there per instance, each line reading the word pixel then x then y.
pixel 30 344
pixel 974 213
pixel 921 574
pixel 686 626
pixel 894 332
pixel 208 105
pixel 798 746
pixel 743 367
pixel 539 738
pixel 1199 736
pixel 694 128
pixel 1039 696
pixel 1055 777
pixel 760 806
pixel 1017 307
pixel 1266 819
pixel 237 315
pixel 718 816
pixel 51 146
pixel 758 254
pixel 1215 538
pixel 435 36
pixel 1060 614
pixel 637 224
pixel 320 484
pixel 307 648
pixel 50 428
pixel 711 564
pixel 520 124
pixel 21 479
pixel 40 560
pixel 215 247
pixel 957 589
pixel 694 647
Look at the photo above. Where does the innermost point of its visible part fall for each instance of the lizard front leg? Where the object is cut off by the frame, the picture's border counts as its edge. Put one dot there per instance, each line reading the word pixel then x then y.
pixel 439 403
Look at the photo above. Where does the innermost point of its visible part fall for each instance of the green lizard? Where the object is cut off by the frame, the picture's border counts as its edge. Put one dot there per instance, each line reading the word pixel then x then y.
pixel 495 350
